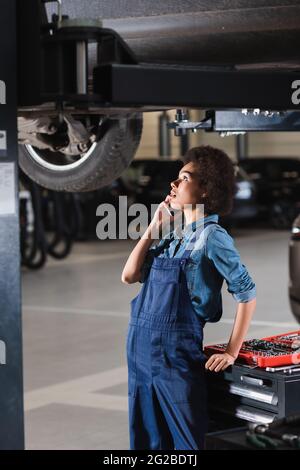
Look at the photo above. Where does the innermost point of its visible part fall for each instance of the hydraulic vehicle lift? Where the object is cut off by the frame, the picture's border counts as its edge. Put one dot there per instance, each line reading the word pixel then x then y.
pixel 11 389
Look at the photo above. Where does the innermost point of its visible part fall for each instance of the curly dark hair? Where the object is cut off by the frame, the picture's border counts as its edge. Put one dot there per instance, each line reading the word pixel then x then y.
pixel 215 171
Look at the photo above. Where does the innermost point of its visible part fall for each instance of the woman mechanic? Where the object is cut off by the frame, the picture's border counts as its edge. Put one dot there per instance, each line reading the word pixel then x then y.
pixel 182 278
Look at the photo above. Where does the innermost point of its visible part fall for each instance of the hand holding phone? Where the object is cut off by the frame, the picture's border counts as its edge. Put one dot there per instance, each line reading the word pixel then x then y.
pixel 168 207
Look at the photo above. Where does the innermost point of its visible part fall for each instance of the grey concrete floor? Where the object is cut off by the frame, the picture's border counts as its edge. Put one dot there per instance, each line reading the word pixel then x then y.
pixel 75 315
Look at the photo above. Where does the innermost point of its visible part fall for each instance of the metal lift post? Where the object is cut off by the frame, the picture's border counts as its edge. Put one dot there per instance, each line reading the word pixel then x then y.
pixel 11 380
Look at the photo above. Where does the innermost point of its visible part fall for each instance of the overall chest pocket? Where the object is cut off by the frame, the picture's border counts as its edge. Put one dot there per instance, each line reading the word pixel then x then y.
pixel 160 297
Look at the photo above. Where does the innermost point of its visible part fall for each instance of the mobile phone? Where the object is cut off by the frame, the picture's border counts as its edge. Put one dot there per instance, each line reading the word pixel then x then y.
pixel 169 211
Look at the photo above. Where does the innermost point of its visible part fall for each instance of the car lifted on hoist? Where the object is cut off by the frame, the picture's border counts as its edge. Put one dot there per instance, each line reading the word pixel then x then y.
pixel 84 83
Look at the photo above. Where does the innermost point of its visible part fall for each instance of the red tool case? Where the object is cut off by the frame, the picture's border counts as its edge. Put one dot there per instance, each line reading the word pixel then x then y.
pixel 271 351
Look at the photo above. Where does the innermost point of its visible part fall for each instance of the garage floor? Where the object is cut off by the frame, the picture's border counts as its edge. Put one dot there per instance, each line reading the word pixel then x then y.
pixel 75 315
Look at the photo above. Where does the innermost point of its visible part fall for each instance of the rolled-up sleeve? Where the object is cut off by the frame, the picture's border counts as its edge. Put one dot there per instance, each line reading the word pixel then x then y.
pixel 221 251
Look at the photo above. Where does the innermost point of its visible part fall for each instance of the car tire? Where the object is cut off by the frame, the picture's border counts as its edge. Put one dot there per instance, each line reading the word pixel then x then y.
pixel 103 163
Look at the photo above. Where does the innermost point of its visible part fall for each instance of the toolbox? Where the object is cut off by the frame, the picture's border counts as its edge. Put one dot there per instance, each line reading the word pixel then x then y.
pixel 244 393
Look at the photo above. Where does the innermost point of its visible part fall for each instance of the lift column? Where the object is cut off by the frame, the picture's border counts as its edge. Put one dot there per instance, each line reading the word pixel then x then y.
pixel 11 381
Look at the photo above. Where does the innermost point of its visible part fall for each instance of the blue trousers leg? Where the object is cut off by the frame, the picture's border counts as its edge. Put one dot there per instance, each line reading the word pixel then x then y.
pixel 148 428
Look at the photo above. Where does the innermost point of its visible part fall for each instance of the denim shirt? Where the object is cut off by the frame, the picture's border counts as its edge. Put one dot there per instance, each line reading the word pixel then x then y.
pixel 213 258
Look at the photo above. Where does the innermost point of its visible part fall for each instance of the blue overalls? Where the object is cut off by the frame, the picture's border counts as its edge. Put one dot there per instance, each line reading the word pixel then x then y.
pixel 166 373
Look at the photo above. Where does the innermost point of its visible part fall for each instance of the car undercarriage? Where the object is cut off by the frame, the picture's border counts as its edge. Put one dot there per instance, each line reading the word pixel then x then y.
pixel 88 70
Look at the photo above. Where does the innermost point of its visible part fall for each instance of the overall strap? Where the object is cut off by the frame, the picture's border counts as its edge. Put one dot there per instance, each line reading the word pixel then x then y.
pixel 188 252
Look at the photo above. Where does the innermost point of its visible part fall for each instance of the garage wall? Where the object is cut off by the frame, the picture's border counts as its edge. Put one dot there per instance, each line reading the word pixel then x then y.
pixel 275 144
pixel 260 143
pixel 149 146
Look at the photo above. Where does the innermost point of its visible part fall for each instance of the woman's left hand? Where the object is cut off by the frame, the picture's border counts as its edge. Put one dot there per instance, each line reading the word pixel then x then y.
pixel 218 362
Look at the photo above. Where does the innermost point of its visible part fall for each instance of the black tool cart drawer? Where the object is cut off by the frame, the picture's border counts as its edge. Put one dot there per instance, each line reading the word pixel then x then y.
pixel 246 394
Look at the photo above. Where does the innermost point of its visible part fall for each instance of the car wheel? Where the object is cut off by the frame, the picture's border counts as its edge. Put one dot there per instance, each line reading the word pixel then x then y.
pixel 104 160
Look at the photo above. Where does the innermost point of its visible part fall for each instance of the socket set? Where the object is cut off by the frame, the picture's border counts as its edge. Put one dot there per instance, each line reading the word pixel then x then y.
pixel 272 351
